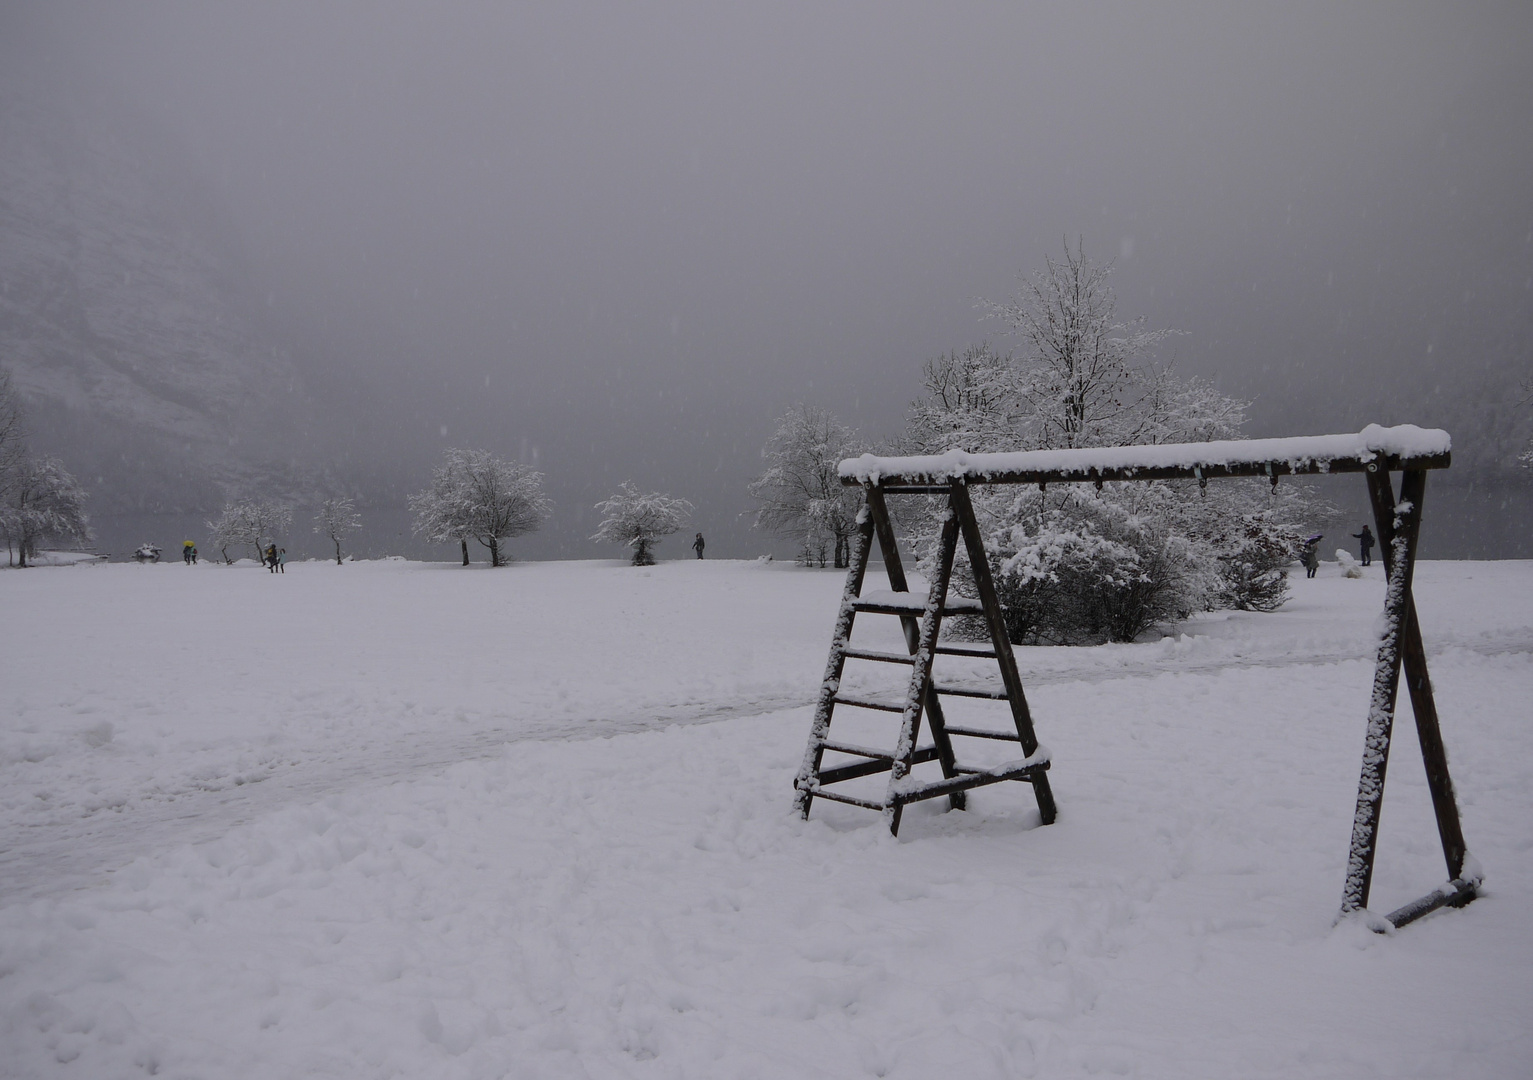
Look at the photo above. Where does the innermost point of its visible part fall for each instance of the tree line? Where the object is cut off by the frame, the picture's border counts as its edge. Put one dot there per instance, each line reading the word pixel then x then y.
pixel 473 495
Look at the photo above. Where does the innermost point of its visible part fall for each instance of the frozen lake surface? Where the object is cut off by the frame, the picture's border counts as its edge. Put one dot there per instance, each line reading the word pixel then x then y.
pixel 408 819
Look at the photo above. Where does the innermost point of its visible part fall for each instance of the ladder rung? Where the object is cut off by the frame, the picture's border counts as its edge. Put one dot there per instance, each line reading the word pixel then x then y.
pixel 869 703
pixel 916 489
pixel 968 778
pixel 860 751
pixel 881 657
pixel 977 733
pixel 867 768
pixel 957 650
pixel 962 691
pixel 836 796
pixel 880 607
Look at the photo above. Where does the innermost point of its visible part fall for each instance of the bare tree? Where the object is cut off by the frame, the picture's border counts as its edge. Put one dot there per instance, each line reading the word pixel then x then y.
pixel 1082 376
pixel 474 494
pixel 639 519
pixel 253 521
pixel 337 519
pixel 42 502
pixel 801 492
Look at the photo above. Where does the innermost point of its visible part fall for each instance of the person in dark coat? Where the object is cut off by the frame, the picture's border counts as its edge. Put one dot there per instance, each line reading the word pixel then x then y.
pixel 1365 545
pixel 697 545
pixel 1311 556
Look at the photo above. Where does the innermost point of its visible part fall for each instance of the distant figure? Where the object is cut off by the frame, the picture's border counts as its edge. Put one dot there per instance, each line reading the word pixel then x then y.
pixel 697 545
pixel 281 560
pixel 1311 555
pixel 1365 545
pixel 194 554
pixel 188 549
pixel 270 558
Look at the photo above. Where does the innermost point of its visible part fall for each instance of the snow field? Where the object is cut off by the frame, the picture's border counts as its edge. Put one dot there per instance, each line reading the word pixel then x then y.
pixel 645 904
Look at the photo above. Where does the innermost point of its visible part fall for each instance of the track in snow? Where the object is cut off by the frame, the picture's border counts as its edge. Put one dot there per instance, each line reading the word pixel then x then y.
pixel 46 860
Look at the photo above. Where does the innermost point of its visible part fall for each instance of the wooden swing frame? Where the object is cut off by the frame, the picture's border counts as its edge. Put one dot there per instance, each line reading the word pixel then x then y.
pixel 1376 453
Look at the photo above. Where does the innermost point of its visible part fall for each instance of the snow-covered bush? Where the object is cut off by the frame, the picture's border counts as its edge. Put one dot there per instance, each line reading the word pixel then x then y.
pixel 801 492
pixel 475 495
pixel 1255 549
pixel 638 519
pixel 337 518
pixel 1349 566
pixel 1090 567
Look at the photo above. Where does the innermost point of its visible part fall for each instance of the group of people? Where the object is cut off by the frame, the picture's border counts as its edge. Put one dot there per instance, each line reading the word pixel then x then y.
pixel 275 559
pixel 1311 553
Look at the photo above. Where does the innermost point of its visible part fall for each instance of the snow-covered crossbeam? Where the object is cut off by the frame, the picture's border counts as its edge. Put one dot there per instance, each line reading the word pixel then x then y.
pixel 1393 448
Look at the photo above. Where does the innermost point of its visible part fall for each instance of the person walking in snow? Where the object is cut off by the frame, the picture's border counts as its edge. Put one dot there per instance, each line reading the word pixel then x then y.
pixel 1311 556
pixel 697 545
pixel 188 549
pixel 270 558
pixel 281 560
pixel 1365 545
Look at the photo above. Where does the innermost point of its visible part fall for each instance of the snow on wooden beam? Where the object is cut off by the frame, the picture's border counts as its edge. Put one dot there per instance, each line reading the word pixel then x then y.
pixel 1402 447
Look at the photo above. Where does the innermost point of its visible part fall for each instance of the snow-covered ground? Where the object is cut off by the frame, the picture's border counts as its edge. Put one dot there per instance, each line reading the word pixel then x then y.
pixel 403 819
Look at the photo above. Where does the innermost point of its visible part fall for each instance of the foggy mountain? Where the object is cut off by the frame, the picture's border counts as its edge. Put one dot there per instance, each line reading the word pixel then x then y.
pixel 127 321
pixel 306 248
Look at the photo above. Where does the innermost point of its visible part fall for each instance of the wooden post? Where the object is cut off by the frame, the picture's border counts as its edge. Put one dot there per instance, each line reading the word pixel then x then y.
pixel 921 673
pixel 1398 525
pixel 884 527
pixel 814 753
pixel 984 584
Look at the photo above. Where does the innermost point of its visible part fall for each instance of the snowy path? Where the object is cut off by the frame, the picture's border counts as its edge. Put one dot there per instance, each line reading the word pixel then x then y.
pixel 39 860
pixel 400 820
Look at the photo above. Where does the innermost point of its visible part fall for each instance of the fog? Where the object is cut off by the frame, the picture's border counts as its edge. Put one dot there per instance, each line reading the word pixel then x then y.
pixel 619 240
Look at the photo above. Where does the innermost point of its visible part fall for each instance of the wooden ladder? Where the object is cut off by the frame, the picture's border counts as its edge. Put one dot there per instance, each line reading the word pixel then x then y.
pixel 921 622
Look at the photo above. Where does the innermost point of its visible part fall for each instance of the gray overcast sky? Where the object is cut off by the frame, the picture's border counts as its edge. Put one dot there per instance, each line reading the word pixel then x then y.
pixel 630 235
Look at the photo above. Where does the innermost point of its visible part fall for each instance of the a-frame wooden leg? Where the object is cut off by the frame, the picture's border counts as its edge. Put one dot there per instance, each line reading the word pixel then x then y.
pixel 1399 525
pixel 884 529
pixel 920 675
pixel 1413 657
pixel 820 728
pixel 984 584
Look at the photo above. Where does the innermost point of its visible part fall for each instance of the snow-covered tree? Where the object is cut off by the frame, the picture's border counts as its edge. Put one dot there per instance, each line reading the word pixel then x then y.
pixel 476 495
pixel 337 519
pixel 41 502
pixel 801 492
pixel 638 519
pixel 1077 565
pixel 253 521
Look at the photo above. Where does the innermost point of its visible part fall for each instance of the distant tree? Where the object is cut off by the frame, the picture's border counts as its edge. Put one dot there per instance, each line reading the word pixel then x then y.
pixel 337 519
pixel 639 519
pixel 801 493
pixel 253 521
pixel 41 502
pixel 476 495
